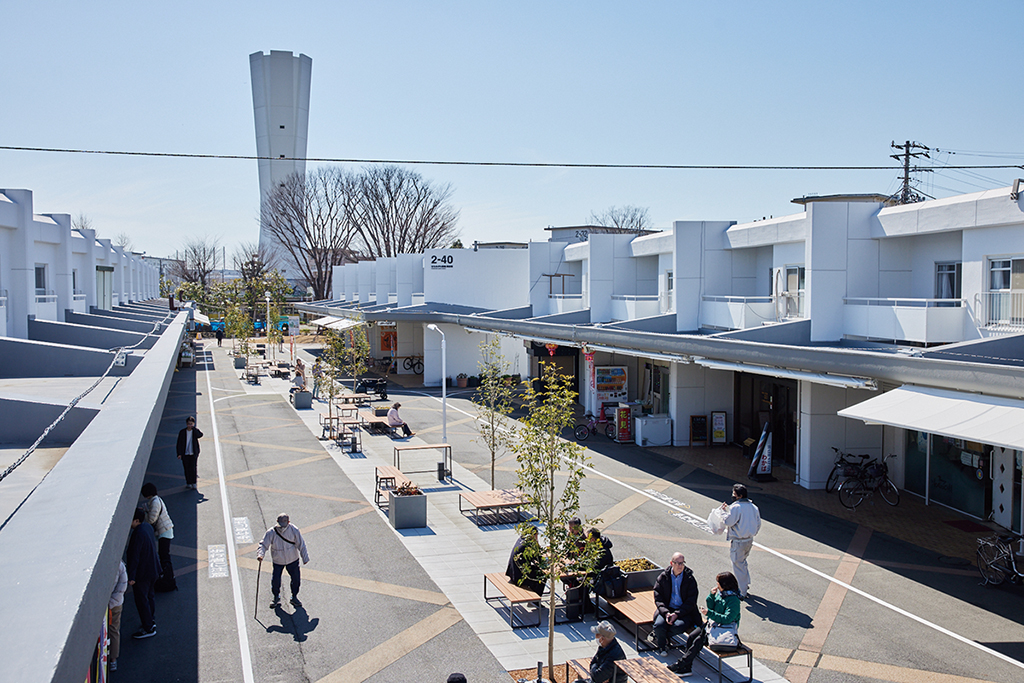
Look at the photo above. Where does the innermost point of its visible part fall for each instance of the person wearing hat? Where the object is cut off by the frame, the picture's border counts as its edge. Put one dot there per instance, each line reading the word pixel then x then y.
pixel 286 545
pixel 602 664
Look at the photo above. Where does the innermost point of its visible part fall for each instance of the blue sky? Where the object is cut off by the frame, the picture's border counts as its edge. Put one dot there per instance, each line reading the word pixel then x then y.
pixel 748 83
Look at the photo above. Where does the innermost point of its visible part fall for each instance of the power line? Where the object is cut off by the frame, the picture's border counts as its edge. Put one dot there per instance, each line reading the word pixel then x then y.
pixel 522 164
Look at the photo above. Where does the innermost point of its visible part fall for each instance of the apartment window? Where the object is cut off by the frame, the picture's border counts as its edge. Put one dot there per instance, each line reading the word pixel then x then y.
pixel 999 275
pixel 74 279
pixel 794 279
pixel 669 281
pixel 947 280
pixel 1006 291
pixel 40 279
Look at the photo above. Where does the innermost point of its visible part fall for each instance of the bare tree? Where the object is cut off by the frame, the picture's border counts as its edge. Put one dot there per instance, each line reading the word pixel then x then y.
pixel 82 222
pixel 399 212
pixel 197 261
pixel 253 260
pixel 124 241
pixel 628 217
pixel 309 217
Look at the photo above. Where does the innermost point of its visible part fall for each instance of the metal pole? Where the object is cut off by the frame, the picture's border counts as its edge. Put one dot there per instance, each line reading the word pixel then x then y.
pixel 444 383
pixel 256 607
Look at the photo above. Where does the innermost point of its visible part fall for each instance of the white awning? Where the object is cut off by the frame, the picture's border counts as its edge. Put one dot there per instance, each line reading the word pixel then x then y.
pixel 344 324
pixel 200 318
pixel 973 417
pixel 325 321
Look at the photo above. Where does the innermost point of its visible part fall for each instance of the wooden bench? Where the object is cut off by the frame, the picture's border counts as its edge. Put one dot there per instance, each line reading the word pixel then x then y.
pixel 741 650
pixel 580 668
pixel 356 399
pixel 500 499
pixel 446 456
pixel 638 609
pixel 387 478
pixel 646 670
pixel 376 424
pixel 515 595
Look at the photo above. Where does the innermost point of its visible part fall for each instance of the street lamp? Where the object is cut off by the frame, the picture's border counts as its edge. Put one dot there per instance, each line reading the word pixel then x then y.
pixel 444 384
pixel 266 296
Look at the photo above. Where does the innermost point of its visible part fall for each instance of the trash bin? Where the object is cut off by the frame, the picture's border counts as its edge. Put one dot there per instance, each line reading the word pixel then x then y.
pixel 442 473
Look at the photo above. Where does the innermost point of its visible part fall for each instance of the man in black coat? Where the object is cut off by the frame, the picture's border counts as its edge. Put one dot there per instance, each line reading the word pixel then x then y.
pixel 143 564
pixel 675 596
pixel 188 450
pixel 602 664
pixel 524 571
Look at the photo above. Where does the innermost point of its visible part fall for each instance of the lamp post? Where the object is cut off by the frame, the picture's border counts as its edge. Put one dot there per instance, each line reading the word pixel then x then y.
pixel 266 296
pixel 444 383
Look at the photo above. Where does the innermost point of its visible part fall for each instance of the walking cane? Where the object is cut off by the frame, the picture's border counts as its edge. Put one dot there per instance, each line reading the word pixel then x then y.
pixel 256 607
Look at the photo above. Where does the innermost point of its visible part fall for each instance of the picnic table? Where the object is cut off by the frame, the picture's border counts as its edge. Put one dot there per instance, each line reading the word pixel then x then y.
pixel 499 499
pixel 342 399
pixel 446 457
pixel 376 424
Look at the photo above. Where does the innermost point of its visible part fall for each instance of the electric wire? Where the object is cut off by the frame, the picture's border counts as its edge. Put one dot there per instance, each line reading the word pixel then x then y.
pixel 512 164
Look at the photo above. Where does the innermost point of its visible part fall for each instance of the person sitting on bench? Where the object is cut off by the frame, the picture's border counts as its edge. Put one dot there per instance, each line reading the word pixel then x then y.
pixel 602 664
pixel 675 596
pixel 524 566
pixel 394 421
pixel 298 383
pixel 720 633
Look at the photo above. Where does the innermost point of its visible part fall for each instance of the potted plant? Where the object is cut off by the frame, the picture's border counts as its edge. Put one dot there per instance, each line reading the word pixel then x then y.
pixel 407 507
pixel 461 380
pixel 473 381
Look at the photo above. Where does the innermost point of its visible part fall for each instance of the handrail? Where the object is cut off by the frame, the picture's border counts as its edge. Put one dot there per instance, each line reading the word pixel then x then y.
pixel 634 297
pixel 908 302
pixel 739 299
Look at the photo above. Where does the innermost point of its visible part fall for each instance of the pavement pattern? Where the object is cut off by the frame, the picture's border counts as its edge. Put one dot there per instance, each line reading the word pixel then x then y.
pixel 880 594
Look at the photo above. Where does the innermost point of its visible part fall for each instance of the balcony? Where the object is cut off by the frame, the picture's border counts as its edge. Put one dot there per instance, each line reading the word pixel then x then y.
pixel 46 304
pixel 922 321
pixel 564 303
pixel 78 302
pixel 633 306
pixel 1003 310
pixel 738 312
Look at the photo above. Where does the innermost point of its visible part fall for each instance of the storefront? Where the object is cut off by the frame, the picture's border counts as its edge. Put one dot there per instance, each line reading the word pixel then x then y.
pixel 759 399
pixel 963 451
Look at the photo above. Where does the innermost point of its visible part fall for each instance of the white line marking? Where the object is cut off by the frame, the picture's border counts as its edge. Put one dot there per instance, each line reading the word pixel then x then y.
pixel 680 512
pixel 236 586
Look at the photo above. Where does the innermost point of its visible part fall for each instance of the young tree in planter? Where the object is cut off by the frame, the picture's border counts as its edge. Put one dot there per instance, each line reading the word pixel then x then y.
pixel 333 357
pixel 239 327
pixel 494 400
pixel 274 335
pixel 357 354
pixel 550 474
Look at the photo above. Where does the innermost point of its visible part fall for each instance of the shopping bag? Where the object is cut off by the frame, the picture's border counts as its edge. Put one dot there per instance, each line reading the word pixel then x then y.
pixel 716 520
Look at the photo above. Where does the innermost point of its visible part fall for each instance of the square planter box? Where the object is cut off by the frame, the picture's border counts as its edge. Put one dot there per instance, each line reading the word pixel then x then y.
pixel 240 362
pixel 407 512
pixel 643 580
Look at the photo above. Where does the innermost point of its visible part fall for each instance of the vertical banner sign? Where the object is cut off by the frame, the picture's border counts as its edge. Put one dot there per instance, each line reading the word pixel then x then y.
pixel 589 358
pixel 718 427
pixel 762 462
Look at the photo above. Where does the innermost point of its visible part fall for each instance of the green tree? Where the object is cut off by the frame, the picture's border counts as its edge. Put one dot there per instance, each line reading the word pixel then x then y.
pixel 333 357
pixel 494 400
pixel 239 326
pixel 357 353
pixel 550 474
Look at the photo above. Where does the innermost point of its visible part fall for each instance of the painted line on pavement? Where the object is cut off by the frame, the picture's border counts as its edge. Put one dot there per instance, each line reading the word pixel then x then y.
pixel 236 586
pixel 863 594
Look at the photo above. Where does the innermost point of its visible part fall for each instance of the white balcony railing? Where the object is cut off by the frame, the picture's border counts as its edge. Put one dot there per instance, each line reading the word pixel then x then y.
pixel 79 295
pixel 46 296
pixel 3 298
pixel 737 312
pixel 564 303
pixel 1003 308
pixel 633 306
pixel 924 321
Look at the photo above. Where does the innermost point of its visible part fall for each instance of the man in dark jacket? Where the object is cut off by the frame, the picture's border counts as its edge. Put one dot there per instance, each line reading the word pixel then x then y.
pixel 188 450
pixel 675 596
pixel 143 569
pixel 524 571
pixel 602 664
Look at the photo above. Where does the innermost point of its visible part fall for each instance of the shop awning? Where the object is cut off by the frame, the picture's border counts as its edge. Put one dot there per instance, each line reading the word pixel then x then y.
pixel 985 419
pixel 325 321
pixel 200 318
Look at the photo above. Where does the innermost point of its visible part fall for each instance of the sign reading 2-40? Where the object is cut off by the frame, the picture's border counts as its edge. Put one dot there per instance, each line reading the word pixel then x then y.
pixel 441 261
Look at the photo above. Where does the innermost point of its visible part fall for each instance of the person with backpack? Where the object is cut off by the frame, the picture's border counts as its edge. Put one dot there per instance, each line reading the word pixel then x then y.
pixel 163 527
pixel 286 547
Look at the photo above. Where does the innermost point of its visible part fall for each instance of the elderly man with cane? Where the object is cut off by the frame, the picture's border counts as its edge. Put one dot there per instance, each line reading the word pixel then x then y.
pixel 286 546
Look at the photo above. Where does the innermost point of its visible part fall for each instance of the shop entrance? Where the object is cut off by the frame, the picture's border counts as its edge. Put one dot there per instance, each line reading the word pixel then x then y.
pixel 759 399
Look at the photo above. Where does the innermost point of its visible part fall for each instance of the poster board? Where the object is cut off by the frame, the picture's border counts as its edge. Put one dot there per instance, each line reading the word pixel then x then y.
pixel 698 430
pixel 718 433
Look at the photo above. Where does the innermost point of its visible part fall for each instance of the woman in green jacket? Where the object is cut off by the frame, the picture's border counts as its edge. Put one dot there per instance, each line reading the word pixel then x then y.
pixel 720 633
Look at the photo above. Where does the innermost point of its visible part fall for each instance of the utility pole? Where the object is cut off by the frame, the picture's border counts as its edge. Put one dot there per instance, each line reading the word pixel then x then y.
pixel 907 194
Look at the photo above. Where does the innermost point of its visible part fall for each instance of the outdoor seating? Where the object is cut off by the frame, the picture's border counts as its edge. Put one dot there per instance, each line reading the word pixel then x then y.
pixel 514 595
pixel 500 500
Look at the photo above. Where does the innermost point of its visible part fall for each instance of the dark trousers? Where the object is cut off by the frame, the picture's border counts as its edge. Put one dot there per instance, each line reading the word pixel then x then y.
pixel 293 572
pixel 405 429
pixel 164 549
pixel 663 630
pixel 188 462
pixel 695 640
pixel 145 602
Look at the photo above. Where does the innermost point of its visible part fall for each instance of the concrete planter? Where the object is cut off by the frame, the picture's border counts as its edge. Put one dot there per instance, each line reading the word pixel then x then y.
pixel 407 512
pixel 643 580
pixel 241 362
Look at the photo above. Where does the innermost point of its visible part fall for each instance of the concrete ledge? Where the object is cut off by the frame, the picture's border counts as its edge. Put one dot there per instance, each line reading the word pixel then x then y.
pixel 24 421
pixel 27 358
pixel 60 550
pixel 86 335
pixel 106 321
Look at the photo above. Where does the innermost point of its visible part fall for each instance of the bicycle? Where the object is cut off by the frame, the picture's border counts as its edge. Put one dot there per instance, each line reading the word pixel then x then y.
pixel 843 468
pixel 874 476
pixel 414 364
pixel 997 561
pixel 582 432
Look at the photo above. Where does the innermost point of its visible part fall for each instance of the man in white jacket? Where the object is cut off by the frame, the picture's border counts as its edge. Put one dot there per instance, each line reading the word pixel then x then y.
pixel 743 521
pixel 286 546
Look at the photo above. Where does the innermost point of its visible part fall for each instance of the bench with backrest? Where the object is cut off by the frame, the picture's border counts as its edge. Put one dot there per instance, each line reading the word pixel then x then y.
pixel 515 595
pixel 387 478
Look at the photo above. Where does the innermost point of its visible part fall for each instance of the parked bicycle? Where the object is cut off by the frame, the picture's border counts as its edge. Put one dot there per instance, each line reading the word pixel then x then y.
pixel 414 364
pixel 874 476
pixel 844 468
pixel 583 431
pixel 997 561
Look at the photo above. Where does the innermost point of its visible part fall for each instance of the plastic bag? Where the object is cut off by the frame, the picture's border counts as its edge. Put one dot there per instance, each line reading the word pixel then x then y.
pixel 716 520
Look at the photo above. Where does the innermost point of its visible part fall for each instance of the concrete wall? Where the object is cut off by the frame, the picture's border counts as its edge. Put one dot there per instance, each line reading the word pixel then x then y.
pixel 24 421
pixel 492 279
pixel 107 321
pixel 98 478
pixel 24 358
pixel 85 335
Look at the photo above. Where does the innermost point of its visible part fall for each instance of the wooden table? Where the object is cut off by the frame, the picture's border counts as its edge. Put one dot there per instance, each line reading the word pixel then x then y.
pixel 638 609
pixel 580 669
pixel 499 499
pixel 646 670
pixel 446 456
pixel 387 478
pixel 342 399
pixel 376 424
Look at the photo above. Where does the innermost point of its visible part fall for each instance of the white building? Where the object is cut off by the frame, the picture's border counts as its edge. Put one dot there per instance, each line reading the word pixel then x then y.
pixel 280 102
pixel 853 323
pixel 47 268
